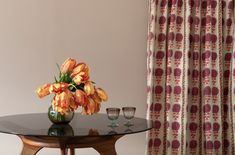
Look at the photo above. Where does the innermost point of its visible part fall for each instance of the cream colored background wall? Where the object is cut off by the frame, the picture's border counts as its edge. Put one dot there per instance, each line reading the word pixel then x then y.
pixel 109 35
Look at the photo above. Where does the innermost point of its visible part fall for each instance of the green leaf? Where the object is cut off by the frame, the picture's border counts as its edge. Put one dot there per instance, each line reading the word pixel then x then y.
pixel 56 79
pixel 66 78
pixel 58 66
pixel 62 77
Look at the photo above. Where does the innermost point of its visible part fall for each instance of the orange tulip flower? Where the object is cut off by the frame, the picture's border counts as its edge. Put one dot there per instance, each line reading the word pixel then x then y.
pixel 73 106
pixel 97 107
pixel 96 97
pixel 102 94
pixel 67 66
pixel 81 73
pixel 62 101
pixel 43 90
pixel 80 98
pixel 58 87
pixel 90 108
pixel 89 88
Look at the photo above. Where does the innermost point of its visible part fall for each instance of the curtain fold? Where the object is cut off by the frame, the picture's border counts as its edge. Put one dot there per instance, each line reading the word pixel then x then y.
pixel 191 77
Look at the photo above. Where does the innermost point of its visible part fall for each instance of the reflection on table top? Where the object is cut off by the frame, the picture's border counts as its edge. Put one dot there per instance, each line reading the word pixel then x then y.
pixel 96 125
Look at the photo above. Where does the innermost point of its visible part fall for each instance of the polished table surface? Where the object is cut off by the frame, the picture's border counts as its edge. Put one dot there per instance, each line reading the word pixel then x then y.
pixel 37 132
pixel 95 125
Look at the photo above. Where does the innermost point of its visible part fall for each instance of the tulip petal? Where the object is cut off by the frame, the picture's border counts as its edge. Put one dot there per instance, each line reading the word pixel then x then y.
pixel 68 66
pixel 96 97
pixel 102 94
pixel 62 102
pixel 43 90
pixel 58 87
pixel 77 79
pixel 78 68
pixel 89 88
pixel 80 73
pixel 90 108
pixel 80 98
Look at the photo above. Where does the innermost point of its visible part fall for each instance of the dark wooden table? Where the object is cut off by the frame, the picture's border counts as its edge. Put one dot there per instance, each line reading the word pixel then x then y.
pixel 37 132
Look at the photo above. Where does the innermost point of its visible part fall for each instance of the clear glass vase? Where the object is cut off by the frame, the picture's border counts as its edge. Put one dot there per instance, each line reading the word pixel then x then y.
pixel 57 118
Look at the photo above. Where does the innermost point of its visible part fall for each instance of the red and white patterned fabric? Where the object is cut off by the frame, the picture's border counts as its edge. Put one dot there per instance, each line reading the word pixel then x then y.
pixel 191 77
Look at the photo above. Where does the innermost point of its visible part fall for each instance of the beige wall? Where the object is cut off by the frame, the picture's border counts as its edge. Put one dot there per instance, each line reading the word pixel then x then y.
pixel 110 35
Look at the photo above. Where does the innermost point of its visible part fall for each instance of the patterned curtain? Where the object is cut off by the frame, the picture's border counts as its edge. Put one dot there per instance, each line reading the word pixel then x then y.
pixel 191 77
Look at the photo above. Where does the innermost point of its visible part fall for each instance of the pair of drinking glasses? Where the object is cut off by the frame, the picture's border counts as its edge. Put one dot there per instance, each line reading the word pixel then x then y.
pixel 113 114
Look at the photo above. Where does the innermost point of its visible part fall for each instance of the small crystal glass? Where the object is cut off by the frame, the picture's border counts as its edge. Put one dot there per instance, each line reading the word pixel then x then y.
pixel 113 114
pixel 129 113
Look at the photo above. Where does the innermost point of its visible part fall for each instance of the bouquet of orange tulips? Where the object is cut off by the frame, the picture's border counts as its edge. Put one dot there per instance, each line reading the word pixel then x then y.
pixel 74 89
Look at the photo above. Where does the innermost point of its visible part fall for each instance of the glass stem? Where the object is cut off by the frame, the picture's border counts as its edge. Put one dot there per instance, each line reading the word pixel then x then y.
pixel 113 123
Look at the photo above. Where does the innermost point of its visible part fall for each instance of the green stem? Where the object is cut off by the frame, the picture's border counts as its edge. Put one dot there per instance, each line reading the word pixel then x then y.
pixel 73 85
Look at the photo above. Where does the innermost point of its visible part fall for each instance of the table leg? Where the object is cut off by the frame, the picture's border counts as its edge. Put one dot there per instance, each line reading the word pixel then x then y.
pixel 30 150
pixel 108 150
pixel 72 151
pixel 107 147
pixel 64 151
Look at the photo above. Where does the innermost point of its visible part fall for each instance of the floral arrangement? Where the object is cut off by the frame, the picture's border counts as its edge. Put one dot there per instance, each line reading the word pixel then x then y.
pixel 74 89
